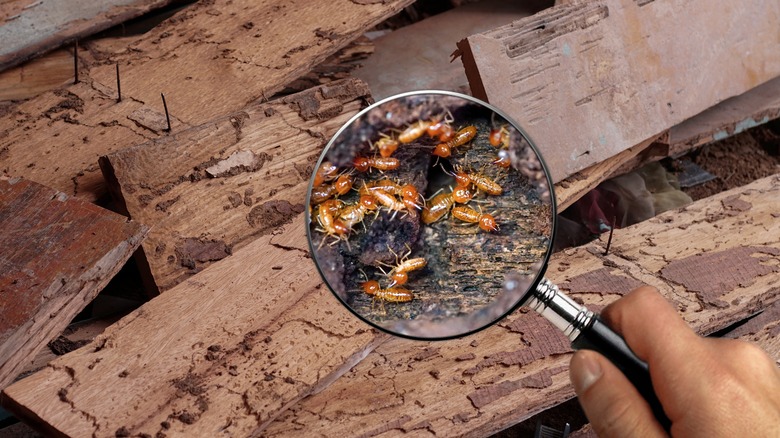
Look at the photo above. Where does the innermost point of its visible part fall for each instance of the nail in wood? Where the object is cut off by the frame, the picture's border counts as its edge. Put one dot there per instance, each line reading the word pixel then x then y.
pixel 609 240
pixel 118 85
pixel 167 117
pixel 76 62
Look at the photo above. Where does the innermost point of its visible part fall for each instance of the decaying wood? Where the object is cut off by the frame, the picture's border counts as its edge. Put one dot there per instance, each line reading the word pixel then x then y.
pixel 215 352
pixel 224 352
pixel 32 27
pixel 58 253
pixel 205 68
pixel 715 260
pixel 209 190
pixel 590 79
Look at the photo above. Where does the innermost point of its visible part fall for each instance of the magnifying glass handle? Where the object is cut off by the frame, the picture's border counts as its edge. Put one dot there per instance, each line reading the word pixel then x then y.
pixel 587 331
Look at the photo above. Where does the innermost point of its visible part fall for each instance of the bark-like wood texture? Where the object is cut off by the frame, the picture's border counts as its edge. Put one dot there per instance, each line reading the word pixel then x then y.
pixel 209 190
pixel 32 27
pixel 590 79
pixel 205 67
pixel 716 260
pixel 233 347
pixel 58 253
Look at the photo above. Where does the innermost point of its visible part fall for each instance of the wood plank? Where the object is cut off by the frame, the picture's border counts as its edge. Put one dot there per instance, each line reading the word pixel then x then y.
pixel 206 69
pixel 590 79
pixel 32 27
pixel 173 333
pixel 224 352
pixel 42 74
pixel 209 190
pixel 58 253
pixel 715 260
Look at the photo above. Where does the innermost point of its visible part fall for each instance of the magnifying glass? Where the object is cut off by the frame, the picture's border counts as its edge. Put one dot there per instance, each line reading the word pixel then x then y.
pixel 431 215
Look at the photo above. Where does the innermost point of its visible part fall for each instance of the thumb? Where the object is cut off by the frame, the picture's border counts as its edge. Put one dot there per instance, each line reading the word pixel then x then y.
pixel 611 403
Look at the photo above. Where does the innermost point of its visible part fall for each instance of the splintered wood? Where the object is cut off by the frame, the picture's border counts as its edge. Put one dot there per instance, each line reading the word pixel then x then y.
pixel 209 190
pixel 205 68
pixel 590 79
pixel 235 347
pixel 58 253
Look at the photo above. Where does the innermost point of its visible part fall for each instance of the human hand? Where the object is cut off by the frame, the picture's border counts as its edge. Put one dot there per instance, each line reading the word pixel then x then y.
pixel 708 387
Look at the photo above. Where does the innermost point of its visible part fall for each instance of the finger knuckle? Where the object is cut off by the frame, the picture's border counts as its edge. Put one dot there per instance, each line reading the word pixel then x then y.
pixel 619 419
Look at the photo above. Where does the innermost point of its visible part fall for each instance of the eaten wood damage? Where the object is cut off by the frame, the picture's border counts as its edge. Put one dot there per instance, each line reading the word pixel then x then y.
pixel 220 320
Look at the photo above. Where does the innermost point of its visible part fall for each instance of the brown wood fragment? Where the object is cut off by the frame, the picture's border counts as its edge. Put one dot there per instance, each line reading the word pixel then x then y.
pixel 489 394
pixel 586 65
pixel 170 183
pixel 41 26
pixel 600 281
pixel 58 253
pixel 187 57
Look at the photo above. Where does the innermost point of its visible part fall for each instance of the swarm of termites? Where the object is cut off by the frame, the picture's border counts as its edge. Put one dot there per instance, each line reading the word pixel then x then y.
pixel 370 176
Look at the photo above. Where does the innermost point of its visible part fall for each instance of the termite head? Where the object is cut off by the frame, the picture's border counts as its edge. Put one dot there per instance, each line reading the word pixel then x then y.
pixel 344 184
pixel 370 287
pixel 442 150
pixel 487 222
pixel 503 159
pixel 368 202
pixel 398 279
pixel 387 146
pixel 340 227
pixel 462 194
pixel 411 197
pixel 362 164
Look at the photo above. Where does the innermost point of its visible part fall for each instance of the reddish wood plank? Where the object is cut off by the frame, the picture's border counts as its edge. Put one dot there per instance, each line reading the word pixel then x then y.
pixel 58 253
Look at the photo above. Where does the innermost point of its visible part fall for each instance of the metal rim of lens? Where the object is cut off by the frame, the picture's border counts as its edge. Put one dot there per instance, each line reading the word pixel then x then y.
pixel 553 211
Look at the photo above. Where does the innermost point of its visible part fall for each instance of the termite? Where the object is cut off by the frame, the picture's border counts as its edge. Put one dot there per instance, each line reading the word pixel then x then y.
pixel 389 201
pixel 385 185
pixel 391 294
pixel 353 214
pixel 341 187
pixel 363 164
pixel 326 172
pixel 386 145
pixel 330 225
pixel 399 274
pixel 437 207
pixel 467 214
pixel 482 182
pixel 414 131
pixel 410 197
pixel 463 136
pixel 441 129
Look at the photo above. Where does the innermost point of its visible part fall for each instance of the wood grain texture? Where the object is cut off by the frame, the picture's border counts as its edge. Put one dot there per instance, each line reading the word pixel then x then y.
pixel 222 353
pixel 209 190
pixel 58 253
pixel 486 382
pixel 590 79
pixel 235 346
pixel 31 27
pixel 207 63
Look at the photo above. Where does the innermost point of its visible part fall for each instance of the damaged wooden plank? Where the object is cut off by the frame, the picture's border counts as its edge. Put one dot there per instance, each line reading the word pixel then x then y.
pixel 209 190
pixel 206 69
pixel 486 382
pixel 58 253
pixel 33 27
pixel 223 352
pixel 590 79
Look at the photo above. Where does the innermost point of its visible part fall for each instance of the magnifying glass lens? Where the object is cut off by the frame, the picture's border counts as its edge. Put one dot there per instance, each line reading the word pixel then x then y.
pixel 421 205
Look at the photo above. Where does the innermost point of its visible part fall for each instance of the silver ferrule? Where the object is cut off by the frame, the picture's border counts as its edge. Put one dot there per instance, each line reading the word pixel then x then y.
pixel 559 309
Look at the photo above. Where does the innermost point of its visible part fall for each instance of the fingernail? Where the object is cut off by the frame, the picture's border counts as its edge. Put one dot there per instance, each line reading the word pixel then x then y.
pixel 586 372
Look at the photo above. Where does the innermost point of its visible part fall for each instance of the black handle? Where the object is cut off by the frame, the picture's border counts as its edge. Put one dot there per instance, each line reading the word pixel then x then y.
pixel 599 337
